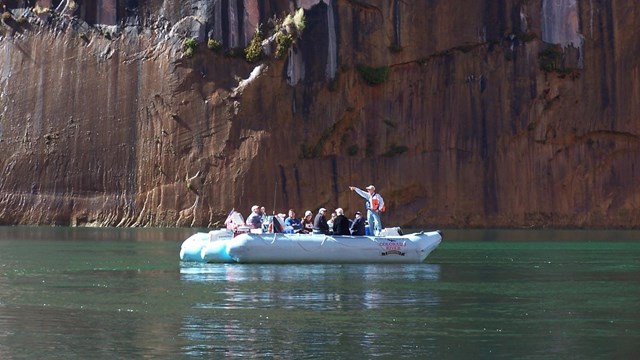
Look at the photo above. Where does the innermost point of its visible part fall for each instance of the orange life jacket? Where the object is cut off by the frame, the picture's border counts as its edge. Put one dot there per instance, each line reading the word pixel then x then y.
pixel 374 203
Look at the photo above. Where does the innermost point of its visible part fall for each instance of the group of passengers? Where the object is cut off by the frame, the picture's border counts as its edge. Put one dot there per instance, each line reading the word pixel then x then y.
pixel 338 224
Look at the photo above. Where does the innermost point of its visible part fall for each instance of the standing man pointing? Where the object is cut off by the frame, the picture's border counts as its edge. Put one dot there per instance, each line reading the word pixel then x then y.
pixel 374 205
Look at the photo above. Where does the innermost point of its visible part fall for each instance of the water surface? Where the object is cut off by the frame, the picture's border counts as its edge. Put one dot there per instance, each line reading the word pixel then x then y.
pixel 123 294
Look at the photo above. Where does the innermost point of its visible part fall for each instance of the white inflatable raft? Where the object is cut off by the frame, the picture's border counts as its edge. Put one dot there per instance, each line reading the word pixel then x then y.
pixel 227 247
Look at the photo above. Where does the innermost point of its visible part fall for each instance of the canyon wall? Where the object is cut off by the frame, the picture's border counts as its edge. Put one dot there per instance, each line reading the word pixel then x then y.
pixel 463 113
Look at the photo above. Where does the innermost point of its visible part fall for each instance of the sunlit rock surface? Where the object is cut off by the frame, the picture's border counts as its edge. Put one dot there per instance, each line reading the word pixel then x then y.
pixel 491 114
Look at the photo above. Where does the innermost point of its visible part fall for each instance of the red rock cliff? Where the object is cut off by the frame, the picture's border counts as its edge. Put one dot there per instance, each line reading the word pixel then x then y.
pixel 480 113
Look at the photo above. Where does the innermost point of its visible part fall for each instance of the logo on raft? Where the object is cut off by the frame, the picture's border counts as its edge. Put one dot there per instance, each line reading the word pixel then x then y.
pixel 392 247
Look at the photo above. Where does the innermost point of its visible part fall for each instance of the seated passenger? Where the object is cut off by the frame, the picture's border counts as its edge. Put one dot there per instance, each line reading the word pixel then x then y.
pixel 331 220
pixel 307 223
pixel 320 223
pixel 255 219
pixel 292 224
pixel 357 225
pixel 341 224
pixel 266 219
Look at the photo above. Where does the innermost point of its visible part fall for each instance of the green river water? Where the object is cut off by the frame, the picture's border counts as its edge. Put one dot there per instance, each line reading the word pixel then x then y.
pixel 68 293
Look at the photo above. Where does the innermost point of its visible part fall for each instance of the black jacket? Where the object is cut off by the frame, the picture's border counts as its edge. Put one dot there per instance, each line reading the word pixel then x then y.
pixel 341 225
pixel 357 226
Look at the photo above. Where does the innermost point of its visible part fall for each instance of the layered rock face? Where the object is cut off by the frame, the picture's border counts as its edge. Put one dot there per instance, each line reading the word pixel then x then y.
pixel 479 113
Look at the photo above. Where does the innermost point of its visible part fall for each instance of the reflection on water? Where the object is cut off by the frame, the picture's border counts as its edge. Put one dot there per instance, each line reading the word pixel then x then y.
pixel 321 307
pixel 199 272
pixel 287 286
